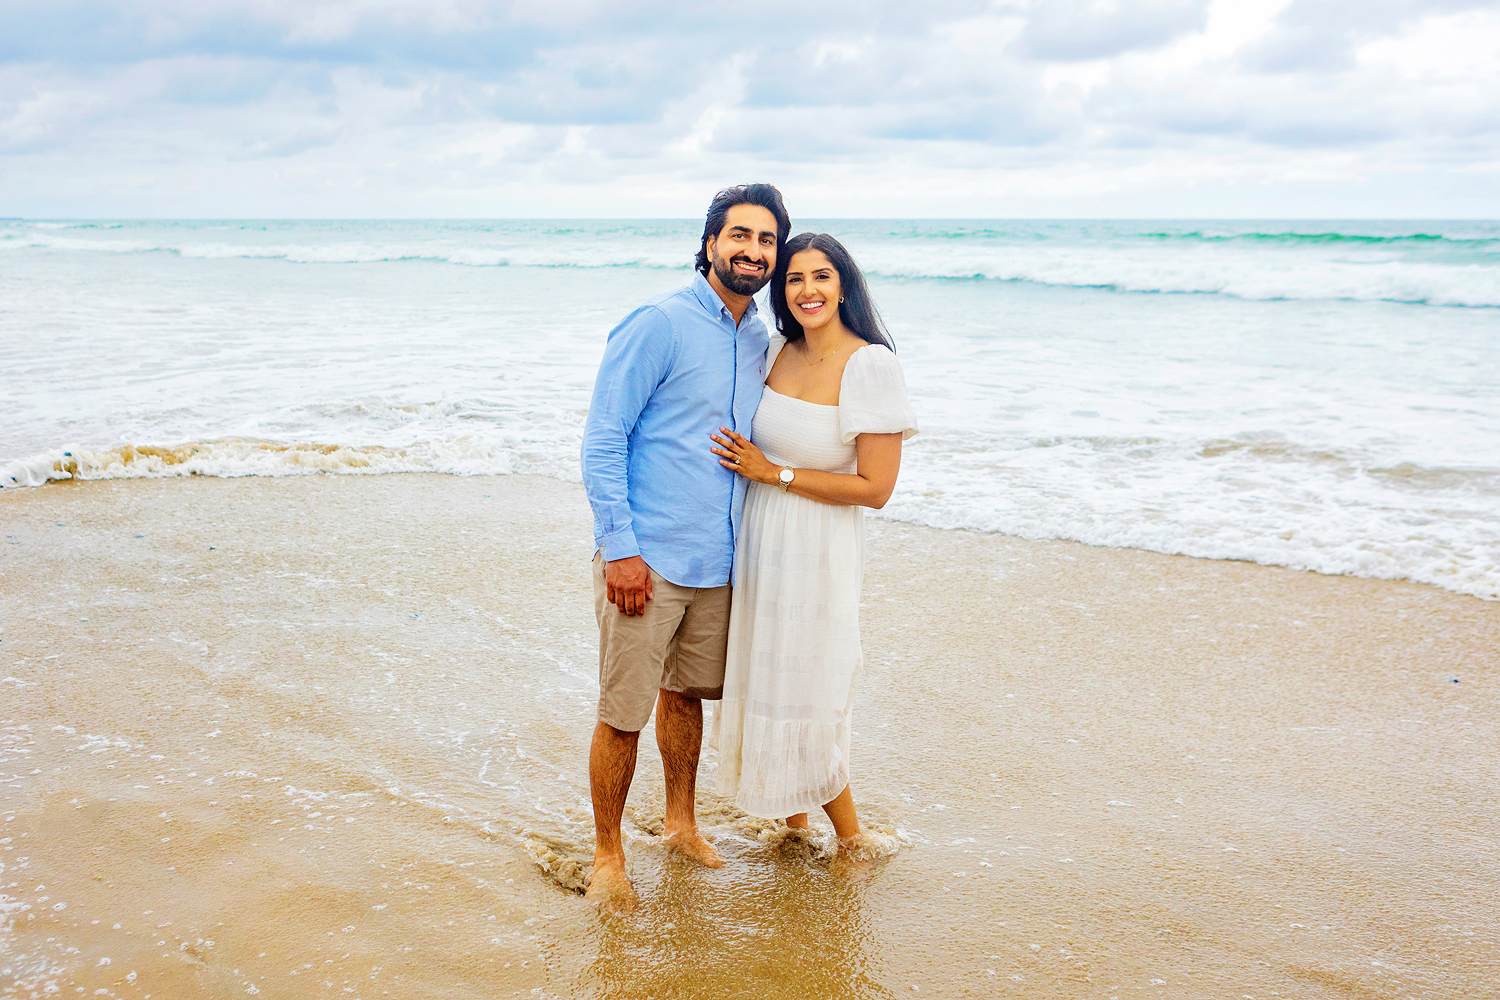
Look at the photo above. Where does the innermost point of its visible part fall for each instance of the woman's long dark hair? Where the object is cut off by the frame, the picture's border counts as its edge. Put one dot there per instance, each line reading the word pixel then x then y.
pixel 856 310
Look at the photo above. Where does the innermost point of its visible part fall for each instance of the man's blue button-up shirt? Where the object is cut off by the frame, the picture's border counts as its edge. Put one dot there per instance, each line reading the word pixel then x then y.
pixel 674 371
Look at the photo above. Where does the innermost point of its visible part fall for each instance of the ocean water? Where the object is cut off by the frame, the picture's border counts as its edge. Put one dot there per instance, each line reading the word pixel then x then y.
pixel 1320 395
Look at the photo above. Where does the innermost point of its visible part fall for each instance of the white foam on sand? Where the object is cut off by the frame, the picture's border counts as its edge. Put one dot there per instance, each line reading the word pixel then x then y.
pixel 239 457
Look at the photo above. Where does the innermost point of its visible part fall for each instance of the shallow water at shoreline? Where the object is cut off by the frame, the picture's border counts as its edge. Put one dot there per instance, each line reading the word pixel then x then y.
pixel 303 735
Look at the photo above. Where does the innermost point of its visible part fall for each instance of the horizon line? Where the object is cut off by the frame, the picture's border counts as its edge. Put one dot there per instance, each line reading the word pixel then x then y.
pixel 692 218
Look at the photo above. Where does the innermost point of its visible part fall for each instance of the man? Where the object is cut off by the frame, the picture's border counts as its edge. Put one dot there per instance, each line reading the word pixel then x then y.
pixel 666 514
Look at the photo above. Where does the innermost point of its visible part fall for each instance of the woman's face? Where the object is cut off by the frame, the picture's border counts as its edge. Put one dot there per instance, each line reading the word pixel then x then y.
pixel 813 289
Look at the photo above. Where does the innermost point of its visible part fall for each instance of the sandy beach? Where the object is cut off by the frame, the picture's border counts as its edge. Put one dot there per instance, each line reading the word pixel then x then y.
pixel 326 736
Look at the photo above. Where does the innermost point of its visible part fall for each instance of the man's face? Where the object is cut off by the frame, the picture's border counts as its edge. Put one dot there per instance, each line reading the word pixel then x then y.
pixel 744 251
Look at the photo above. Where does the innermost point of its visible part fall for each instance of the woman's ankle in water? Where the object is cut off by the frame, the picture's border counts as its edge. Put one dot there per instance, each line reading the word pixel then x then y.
pixel 842 814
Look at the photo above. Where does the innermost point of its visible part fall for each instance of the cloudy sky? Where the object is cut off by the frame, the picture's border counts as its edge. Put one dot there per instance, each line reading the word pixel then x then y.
pixel 479 108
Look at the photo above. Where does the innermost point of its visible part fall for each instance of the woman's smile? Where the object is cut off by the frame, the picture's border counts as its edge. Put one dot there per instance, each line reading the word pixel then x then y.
pixel 812 284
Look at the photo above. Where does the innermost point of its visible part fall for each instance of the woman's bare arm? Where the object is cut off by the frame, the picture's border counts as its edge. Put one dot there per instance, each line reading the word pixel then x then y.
pixel 871 486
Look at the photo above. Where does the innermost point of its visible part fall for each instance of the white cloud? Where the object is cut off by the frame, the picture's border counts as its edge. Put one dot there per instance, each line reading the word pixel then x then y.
pixel 1082 77
pixel 1456 47
pixel 955 107
pixel 1067 30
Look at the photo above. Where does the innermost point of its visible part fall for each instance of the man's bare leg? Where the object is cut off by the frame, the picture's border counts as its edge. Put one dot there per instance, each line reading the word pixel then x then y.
pixel 679 736
pixel 841 812
pixel 611 768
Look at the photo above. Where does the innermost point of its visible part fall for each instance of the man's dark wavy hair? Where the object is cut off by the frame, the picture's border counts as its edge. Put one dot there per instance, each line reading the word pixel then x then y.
pixel 857 311
pixel 764 195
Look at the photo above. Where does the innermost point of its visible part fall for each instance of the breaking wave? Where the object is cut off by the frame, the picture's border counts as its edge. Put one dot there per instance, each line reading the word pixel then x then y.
pixel 1419 267
pixel 231 457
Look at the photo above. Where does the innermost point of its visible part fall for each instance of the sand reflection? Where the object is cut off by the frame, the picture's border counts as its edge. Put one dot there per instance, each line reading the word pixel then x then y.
pixel 771 922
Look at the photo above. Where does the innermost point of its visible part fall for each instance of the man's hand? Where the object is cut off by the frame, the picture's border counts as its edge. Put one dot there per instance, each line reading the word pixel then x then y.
pixel 627 582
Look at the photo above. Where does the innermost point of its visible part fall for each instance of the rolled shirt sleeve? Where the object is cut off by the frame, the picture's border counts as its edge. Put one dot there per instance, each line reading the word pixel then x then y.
pixel 637 356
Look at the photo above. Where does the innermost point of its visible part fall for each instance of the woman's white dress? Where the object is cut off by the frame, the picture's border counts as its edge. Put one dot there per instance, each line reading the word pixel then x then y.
pixel 782 728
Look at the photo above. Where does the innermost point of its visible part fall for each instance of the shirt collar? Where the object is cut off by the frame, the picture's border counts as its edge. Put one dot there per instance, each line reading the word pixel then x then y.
pixel 710 300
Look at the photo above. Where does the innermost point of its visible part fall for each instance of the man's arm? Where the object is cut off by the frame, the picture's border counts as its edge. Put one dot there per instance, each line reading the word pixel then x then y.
pixel 637 357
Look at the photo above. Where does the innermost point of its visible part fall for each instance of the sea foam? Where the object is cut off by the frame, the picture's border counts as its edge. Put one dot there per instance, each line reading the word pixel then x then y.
pixel 241 457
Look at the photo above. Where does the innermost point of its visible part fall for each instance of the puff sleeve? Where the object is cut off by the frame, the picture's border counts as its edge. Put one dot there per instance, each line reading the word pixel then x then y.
pixel 872 396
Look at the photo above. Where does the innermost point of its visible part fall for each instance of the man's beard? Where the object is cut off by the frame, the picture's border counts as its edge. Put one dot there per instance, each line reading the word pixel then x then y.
pixel 739 284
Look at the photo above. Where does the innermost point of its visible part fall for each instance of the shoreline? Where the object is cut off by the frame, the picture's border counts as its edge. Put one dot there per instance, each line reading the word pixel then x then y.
pixel 1108 769
pixel 312 459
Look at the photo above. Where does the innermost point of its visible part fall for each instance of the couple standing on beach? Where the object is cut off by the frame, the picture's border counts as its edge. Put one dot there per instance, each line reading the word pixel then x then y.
pixel 728 471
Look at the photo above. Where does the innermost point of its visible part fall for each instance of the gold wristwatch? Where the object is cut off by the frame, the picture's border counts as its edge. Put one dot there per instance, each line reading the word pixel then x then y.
pixel 785 478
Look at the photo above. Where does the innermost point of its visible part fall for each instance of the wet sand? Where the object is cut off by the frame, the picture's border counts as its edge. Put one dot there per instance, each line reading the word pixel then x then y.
pixel 326 736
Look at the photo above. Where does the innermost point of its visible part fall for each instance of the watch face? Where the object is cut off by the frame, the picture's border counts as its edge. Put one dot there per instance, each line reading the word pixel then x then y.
pixel 786 475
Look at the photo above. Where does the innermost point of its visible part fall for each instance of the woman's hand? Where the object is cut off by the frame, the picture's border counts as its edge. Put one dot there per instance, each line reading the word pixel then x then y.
pixel 737 454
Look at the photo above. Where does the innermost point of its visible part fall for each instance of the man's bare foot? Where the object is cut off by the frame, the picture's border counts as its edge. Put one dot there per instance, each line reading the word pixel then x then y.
pixel 610 888
pixel 690 844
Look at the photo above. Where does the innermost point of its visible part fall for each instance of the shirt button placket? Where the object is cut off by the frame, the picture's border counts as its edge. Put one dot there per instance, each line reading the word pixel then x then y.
pixel 734 421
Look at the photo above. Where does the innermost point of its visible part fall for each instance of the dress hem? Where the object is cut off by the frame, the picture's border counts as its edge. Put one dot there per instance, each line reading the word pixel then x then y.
pixel 804 803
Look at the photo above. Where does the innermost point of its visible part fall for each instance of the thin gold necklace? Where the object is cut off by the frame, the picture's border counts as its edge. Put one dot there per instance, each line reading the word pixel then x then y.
pixel 824 358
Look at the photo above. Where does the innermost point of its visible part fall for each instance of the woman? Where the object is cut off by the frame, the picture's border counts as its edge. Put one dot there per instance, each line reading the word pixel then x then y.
pixel 826 444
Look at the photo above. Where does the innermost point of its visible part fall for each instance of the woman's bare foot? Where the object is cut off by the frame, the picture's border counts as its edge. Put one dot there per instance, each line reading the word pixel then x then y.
pixel 690 844
pixel 610 888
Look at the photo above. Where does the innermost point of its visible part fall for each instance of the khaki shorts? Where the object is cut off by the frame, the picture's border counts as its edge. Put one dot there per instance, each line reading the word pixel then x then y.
pixel 678 645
